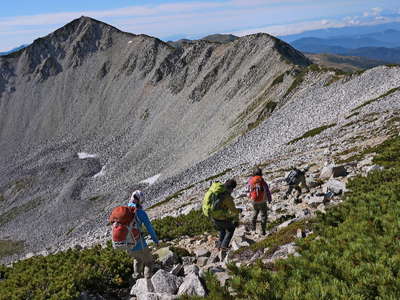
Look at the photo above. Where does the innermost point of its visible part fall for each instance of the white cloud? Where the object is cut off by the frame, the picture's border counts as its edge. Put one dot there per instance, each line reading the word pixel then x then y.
pixel 198 18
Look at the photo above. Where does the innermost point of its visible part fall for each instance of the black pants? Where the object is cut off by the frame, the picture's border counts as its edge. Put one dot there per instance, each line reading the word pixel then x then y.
pixel 226 229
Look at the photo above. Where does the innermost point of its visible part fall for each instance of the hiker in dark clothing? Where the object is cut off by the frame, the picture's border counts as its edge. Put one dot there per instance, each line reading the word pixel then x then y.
pixel 296 178
pixel 259 193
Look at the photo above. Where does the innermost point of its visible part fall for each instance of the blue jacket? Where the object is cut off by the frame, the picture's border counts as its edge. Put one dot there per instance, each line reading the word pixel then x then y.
pixel 142 218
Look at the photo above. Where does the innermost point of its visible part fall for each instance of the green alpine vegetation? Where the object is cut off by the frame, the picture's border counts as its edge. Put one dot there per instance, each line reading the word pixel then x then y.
pixel 312 132
pixel 353 253
pixel 377 98
pixel 192 224
pixel 63 276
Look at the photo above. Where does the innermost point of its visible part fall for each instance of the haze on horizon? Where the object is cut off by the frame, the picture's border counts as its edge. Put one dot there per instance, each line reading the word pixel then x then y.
pixel 23 21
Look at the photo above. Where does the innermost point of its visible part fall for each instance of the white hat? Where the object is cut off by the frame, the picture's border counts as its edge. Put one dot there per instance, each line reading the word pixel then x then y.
pixel 137 195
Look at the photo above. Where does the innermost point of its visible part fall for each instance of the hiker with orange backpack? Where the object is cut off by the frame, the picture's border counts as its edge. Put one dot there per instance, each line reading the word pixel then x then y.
pixel 259 193
pixel 126 234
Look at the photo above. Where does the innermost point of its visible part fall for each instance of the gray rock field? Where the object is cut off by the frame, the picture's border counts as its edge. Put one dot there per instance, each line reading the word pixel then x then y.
pixel 88 113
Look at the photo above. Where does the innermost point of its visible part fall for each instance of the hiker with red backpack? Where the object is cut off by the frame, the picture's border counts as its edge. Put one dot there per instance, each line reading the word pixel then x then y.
pixel 126 234
pixel 259 193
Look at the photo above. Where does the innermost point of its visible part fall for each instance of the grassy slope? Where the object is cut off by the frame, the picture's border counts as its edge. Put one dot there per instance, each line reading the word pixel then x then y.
pixel 354 253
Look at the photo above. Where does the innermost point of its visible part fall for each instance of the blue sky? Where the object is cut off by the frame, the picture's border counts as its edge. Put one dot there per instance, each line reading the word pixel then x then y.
pixel 22 21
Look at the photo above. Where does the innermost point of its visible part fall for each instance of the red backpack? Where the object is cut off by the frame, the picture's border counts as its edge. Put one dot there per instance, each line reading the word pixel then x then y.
pixel 256 188
pixel 124 232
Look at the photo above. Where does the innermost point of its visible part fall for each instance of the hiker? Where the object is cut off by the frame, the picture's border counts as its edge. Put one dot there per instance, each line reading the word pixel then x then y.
pixel 294 179
pixel 218 205
pixel 143 264
pixel 259 192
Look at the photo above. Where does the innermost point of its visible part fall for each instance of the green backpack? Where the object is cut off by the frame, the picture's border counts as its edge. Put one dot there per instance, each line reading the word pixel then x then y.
pixel 212 199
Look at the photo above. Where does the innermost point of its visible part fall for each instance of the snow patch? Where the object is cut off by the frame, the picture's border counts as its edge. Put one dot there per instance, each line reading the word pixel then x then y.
pixel 83 155
pixel 151 180
pixel 101 173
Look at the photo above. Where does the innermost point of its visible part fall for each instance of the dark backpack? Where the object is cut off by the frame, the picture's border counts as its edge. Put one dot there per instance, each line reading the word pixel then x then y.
pixel 293 177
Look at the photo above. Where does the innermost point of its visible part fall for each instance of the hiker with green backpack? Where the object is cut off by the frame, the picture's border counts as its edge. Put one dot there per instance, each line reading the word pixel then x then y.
pixel 219 206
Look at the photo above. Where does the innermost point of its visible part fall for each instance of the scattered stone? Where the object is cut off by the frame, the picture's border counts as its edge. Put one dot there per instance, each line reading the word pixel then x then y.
pixel 299 233
pixel 202 253
pixel 191 269
pixel 314 201
pixel 202 261
pixel 287 223
pixel 192 286
pixel 213 258
pixel 222 277
pixel 373 168
pixel 335 186
pixel 284 251
pixel 188 260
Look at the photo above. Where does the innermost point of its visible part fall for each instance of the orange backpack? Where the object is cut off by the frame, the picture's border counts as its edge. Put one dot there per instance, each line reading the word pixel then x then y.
pixel 256 188
pixel 124 231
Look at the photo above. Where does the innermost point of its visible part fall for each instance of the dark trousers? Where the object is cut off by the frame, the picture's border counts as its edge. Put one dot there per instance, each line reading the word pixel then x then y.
pixel 301 180
pixel 260 207
pixel 226 229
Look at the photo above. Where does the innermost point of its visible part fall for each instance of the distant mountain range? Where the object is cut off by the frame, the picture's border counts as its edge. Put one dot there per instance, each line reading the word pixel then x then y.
pixel 345 32
pixel 384 45
pixel 13 50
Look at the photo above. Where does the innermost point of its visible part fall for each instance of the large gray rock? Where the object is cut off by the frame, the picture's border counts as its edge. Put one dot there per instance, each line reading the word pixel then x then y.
pixel 335 186
pixel 326 172
pixel 192 286
pixel 142 286
pixel 165 282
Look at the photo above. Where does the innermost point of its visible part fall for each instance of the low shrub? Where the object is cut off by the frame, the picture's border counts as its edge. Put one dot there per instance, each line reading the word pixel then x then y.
pixel 192 224
pixel 66 274
pixel 311 133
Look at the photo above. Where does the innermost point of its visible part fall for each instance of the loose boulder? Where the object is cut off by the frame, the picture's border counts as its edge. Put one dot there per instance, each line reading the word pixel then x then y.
pixel 192 286
pixel 165 282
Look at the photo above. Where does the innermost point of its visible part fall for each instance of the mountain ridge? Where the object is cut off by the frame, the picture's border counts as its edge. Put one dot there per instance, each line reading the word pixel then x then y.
pixel 138 106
